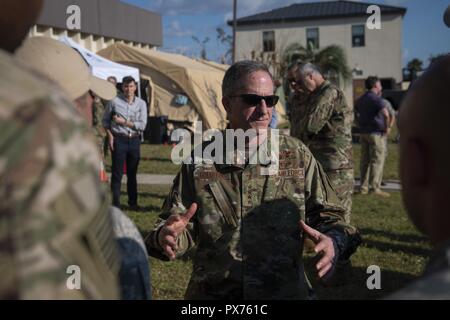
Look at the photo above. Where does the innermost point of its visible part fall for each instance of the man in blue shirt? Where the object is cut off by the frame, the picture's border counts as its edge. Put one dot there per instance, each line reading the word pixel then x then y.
pixel 373 120
pixel 124 119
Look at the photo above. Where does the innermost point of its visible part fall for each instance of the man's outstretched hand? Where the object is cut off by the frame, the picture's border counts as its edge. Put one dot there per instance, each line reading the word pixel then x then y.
pixel 173 227
pixel 324 245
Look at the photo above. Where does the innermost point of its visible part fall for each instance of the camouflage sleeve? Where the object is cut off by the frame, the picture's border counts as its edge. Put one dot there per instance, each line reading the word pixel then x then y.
pixel 53 212
pixel 324 210
pixel 106 120
pixel 318 113
pixel 180 198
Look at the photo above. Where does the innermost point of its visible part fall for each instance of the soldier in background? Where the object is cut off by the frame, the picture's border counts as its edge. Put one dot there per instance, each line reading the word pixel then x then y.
pixel 325 126
pixel 249 227
pixel 288 88
pixel 297 99
pixel 53 210
pixel 391 123
pixel 425 174
pixel 113 80
pixel 98 110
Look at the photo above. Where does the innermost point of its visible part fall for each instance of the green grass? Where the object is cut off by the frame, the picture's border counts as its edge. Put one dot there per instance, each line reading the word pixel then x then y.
pixel 169 279
pixel 155 159
pixel 389 241
pixel 390 167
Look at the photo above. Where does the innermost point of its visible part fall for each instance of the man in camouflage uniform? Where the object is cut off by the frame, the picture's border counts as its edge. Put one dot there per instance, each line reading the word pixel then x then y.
pixel 98 109
pixel 297 101
pixel 248 227
pixel 53 210
pixel 49 57
pixel 289 86
pixel 425 174
pixel 325 126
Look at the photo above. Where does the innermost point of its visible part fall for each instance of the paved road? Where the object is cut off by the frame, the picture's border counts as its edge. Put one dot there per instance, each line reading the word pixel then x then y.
pixel 151 179
pixel 158 179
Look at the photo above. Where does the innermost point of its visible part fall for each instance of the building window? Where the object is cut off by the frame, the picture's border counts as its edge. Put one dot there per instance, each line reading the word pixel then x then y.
pixel 312 37
pixel 358 36
pixel 269 41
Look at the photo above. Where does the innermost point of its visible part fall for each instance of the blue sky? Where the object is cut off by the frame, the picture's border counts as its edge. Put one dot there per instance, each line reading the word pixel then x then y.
pixel 424 32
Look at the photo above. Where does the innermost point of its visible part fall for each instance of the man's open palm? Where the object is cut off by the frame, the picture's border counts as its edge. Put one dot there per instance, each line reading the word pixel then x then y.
pixel 174 226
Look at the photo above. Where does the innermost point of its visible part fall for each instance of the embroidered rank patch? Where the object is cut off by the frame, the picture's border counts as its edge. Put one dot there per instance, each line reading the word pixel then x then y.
pixel 287 154
pixel 288 173
pixel 207 175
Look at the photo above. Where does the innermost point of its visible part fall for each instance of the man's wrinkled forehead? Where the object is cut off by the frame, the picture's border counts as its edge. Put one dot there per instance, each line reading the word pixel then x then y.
pixel 256 80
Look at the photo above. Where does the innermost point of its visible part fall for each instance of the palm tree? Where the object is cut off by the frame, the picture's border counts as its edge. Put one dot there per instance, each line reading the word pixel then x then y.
pixel 331 60
pixel 227 41
pixel 413 67
pixel 202 45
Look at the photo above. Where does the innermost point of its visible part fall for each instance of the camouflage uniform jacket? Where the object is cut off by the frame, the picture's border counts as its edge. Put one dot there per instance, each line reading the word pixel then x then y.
pixel 435 283
pixel 53 209
pixel 297 113
pixel 326 128
pixel 98 110
pixel 246 229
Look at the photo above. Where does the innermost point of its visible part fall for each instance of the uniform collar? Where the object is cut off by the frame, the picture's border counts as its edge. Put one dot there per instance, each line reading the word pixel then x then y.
pixel 240 155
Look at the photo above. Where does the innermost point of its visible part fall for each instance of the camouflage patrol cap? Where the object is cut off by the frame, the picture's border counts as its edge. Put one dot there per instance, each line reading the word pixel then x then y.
pixel 65 66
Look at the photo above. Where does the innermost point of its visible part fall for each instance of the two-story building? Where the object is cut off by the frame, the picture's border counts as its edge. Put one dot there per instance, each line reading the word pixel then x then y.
pixel 344 23
pixel 97 24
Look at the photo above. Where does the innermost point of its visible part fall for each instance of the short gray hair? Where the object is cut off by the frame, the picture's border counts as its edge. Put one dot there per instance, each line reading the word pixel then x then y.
pixel 308 68
pixel 238 71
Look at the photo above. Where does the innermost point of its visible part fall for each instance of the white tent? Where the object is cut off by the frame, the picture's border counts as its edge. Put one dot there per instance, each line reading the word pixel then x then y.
pixel 101 67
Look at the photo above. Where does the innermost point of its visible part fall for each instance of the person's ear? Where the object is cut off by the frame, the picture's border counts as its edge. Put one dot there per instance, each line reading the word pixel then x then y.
pixel 416 163
pixel 226 102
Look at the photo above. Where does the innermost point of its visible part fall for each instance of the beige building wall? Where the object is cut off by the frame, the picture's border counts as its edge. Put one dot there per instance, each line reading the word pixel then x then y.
pixel 91 42
pixel 381 55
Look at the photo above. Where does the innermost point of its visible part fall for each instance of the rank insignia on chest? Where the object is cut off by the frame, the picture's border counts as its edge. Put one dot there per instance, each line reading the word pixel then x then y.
pixel 290 173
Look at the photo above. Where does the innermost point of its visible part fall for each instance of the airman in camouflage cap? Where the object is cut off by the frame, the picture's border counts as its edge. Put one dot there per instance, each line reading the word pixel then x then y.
pixel 53 210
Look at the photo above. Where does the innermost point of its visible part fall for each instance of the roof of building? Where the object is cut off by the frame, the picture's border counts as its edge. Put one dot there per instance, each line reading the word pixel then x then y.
pixel 107 18
pixel 316 10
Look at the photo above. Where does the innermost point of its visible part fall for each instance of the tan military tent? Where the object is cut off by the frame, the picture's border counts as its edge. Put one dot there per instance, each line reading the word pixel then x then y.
pixel 223 67
pixel 171 75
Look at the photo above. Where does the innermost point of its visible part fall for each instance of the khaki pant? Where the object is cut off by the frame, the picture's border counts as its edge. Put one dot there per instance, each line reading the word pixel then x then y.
pixel 343 183
pixel 373 149
pixel 386 149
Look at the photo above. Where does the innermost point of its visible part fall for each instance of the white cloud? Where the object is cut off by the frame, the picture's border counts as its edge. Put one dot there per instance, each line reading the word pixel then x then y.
pixel 396 2
pixel 406 54
pixel 174 29
pixel 184 50
pixel 196 7
pixel 224 7
pixel 227 16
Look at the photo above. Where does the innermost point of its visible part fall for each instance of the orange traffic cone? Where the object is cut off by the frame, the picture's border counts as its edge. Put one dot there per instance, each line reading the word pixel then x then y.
pixel 103 176
pixel 125 167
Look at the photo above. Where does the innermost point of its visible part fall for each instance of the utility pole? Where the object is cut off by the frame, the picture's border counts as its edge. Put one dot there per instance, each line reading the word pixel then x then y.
pixel 234 30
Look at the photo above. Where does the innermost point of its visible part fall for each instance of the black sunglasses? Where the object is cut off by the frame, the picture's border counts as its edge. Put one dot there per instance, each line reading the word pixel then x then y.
pixel 254 99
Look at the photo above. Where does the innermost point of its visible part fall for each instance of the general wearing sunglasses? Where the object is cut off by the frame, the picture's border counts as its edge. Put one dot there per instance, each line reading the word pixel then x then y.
pixel 254 99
